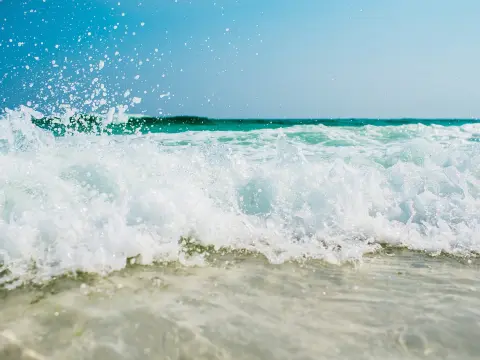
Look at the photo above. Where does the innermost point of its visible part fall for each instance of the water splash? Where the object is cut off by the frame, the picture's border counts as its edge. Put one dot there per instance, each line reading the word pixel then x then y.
pixel 88 202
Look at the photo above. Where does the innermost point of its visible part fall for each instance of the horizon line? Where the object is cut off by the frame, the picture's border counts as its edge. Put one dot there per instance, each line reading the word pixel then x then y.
pixel 302 118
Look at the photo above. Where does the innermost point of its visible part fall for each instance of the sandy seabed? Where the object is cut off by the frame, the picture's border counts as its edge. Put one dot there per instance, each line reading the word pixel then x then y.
pixel 401 305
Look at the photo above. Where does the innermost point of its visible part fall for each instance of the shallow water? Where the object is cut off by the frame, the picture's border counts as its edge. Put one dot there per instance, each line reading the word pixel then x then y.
pixel 401 305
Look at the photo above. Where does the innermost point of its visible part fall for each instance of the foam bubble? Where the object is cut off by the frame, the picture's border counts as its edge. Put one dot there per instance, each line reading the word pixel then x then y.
pixel 88 202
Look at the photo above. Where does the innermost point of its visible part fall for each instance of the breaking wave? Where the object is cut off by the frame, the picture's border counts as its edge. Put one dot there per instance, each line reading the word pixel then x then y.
pixel 88 201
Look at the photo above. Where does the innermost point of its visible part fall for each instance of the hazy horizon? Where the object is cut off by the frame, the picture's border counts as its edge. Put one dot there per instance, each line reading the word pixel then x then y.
pixel 267 118
pixel 307 118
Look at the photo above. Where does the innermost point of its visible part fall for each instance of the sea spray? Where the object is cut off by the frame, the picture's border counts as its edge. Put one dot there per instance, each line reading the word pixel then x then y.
pixel 88 202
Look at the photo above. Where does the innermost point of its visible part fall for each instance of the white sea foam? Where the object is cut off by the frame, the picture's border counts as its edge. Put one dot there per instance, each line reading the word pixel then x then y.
pixel 87 202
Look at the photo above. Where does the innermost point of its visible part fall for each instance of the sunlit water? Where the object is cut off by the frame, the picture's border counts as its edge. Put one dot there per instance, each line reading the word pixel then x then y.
pixel 324 197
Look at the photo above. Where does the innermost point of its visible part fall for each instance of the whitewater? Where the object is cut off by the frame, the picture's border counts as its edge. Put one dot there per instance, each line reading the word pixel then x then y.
pixel 87 202
pixel 238 239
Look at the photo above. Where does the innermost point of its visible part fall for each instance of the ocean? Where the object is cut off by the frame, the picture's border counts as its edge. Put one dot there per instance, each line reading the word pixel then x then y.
pixel 134 237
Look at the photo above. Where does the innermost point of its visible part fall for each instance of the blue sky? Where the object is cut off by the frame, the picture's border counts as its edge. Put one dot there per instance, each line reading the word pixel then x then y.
pixel 244 58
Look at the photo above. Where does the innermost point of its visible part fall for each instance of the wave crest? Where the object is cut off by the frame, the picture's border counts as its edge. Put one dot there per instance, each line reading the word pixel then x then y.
pixel 88 202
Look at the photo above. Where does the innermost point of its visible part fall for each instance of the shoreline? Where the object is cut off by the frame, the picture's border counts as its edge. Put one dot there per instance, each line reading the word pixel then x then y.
pixel 209 255
pixel 397 305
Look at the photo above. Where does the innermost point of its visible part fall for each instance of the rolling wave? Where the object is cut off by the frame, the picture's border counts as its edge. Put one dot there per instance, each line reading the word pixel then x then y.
pixel 309 190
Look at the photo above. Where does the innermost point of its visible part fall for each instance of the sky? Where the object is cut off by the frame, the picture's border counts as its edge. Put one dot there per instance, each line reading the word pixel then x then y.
pixel 243 58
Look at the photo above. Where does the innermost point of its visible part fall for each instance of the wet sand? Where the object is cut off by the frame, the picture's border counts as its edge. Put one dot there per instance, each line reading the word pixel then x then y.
pixel 402 305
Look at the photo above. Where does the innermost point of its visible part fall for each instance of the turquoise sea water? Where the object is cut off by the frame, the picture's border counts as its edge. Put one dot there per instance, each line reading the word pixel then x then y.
pixel 145 124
